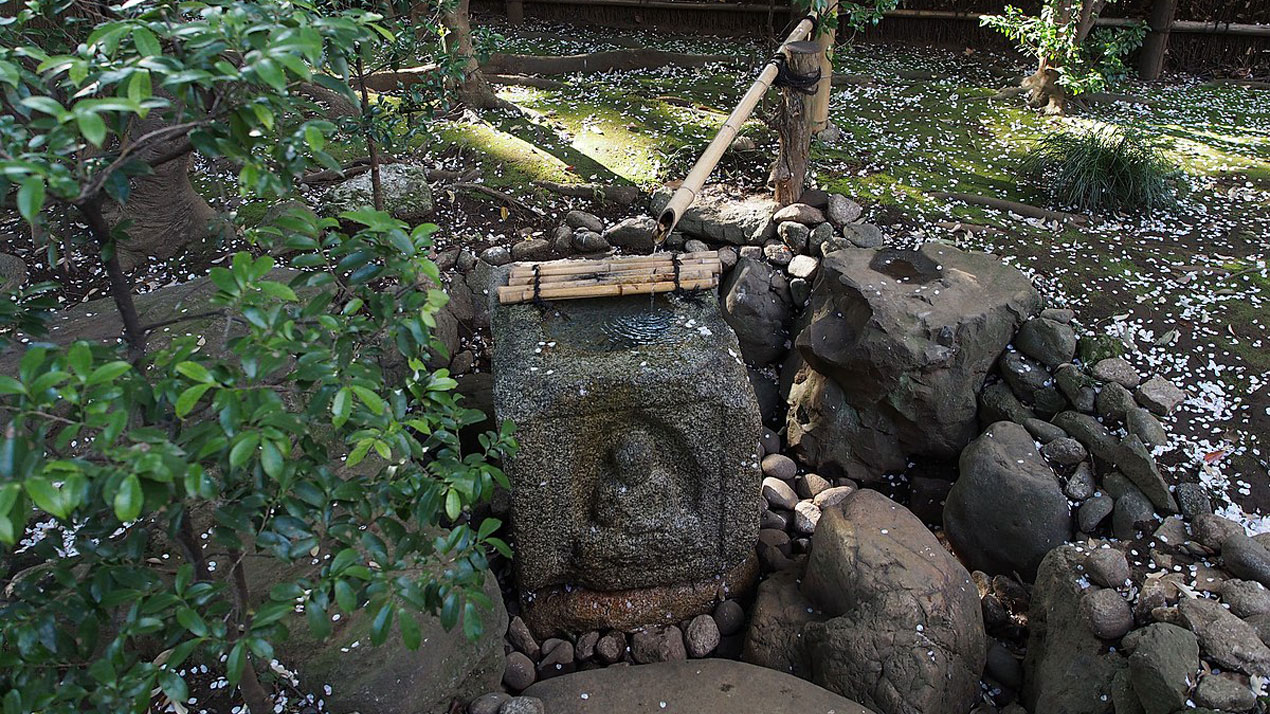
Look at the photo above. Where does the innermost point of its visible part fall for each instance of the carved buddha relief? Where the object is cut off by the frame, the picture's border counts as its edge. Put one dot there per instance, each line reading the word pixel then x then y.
pixel 644 507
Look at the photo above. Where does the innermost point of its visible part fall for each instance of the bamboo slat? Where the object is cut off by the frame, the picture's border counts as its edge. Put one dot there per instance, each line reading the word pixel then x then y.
pixel 556 267
pixel 610 277
pixel 619 276
pixel 508 295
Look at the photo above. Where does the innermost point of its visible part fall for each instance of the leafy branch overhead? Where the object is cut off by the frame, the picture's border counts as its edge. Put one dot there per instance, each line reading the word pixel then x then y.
pixel 854 15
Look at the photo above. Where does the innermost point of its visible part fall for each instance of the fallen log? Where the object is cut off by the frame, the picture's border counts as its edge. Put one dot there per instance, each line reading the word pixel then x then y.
pixel 1021 209
pixel 596 62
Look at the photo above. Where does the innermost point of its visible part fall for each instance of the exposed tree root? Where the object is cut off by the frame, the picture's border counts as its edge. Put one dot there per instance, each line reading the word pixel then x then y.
pixel 348 170
pixel 1109 98
pixel 495 193
pixel 1241 82
pixel 337 105
pixel 1006 93
pixel 388 81
pixel 840 80
pixel 958 226
pixel 524 81
pixel 606 61
pixel 622 195
pixel 920 75
pixel 1021 209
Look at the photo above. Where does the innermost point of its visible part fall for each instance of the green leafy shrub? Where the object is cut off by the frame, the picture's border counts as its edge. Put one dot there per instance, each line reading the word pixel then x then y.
pixel 309 430
pixel 137 478
pixel 1101 170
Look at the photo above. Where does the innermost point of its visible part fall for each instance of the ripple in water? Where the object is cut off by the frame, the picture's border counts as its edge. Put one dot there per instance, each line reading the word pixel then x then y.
pixel 641 327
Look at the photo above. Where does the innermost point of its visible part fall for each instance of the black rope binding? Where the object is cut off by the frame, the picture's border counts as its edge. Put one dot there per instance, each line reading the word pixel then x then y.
pixel 786 77
pixel 674 261
pixel 538 286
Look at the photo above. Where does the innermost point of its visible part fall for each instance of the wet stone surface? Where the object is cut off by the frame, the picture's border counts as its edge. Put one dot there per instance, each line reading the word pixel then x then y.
pixel 634 489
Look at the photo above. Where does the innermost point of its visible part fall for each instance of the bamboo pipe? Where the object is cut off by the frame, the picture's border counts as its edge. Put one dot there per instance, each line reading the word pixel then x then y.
pixel 696 178
pixel 507 295
pixel 820 102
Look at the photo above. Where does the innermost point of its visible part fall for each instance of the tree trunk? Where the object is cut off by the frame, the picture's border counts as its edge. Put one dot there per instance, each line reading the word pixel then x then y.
pixel 515 11
pixel 1151 61
pixel 472 89
pixel 789 173
pixel 255 697
pixel 1043 90
pixel 120 285
pixel 167 215
pixel 376 186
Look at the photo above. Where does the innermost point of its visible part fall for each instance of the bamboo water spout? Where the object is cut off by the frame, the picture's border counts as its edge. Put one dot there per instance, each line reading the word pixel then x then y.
pixel 696 178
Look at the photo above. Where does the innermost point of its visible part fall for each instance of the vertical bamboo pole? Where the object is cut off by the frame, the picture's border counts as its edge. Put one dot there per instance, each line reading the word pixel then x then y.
pixel 515 11
pixel 1151 60
pixel 789 173
pixel 825 40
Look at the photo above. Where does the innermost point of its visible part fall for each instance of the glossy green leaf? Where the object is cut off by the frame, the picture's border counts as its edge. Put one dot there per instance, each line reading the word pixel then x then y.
pixel 194 371
pixel 189 398
pixel 147 44
pixel 411 636
pixel 92 126
pixel 31 197
pixel 129 499
pixel 46 497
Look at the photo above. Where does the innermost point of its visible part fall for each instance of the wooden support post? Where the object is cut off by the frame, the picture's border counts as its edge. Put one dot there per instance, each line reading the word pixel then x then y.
pixel 1151 60
pixel 793 124
pixel 515 11
pixel 820 103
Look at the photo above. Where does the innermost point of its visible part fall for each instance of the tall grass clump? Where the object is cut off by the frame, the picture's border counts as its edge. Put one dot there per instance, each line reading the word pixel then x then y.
pixel 1102 170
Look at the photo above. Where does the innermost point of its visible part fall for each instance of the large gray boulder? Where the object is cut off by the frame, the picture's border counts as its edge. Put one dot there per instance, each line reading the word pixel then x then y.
pixel 717 216
pixel 391 679
pixel 909 337
pixel 709 686
pixel 757 306
pixel 1225 639
pixel 824 429
pixel 883 615
pixel 405 187
pixel 1007 508
pixel 1067 669
pixel 99 321
pixel 1163 666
